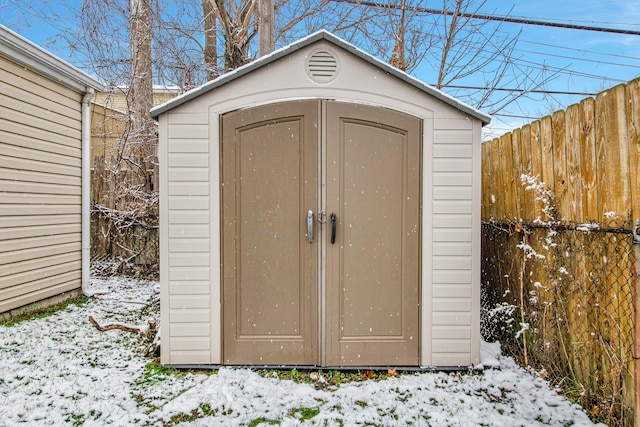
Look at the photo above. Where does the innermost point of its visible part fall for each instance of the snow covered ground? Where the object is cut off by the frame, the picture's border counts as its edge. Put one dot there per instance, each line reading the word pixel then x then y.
pixel 60 370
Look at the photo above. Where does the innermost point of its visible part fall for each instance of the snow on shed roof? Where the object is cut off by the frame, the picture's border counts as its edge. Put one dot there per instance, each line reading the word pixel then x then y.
pixel 302 43
pixel 18 48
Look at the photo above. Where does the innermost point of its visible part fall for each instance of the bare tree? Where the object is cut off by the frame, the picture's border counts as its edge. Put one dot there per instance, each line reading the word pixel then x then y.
pixel 180 44
pixel 127 206
pixel 395 32
pixel 132 44
pixel 467 48
pixel 453 47
pixel 237 23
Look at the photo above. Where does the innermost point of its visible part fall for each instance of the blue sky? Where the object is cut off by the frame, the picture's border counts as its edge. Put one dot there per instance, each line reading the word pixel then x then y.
pixel 589 61
pixel 580 61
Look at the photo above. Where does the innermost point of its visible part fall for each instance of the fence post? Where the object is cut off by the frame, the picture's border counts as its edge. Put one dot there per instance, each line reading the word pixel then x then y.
pixel 636 326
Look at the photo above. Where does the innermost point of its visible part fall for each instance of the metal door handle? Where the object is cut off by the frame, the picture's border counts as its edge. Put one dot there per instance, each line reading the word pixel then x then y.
pixel 310 226
pixel 333 228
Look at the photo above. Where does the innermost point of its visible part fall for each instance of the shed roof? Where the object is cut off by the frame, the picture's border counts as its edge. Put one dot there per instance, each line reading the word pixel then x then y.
pixel 302 43
pixel 18 48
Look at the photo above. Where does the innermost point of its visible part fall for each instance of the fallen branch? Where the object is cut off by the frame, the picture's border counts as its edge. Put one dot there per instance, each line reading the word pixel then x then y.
pixel 145 304
pixel 121 326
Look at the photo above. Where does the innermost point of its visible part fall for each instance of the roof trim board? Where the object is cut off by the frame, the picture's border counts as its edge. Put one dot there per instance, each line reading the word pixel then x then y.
pixel 16 47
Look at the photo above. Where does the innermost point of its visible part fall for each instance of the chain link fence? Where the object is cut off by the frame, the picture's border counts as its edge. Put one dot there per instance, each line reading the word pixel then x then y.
pixel 560 299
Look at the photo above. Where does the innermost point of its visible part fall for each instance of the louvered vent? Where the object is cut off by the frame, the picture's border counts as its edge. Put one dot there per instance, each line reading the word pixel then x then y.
pixel 322 66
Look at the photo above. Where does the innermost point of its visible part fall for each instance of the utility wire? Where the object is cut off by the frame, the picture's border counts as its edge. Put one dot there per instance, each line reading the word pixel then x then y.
pixel 504 89
pixel 573 58
pixel 574 49
pixel 499 18
pixel 564 70
pixel 515 116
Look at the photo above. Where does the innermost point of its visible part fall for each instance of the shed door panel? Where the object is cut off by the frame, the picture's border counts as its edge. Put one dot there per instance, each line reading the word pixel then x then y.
pixel 373 275
pixel 271 275
pixel 270 163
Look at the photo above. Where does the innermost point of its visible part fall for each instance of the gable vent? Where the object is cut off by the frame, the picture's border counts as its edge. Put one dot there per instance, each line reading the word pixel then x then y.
pixel 322 66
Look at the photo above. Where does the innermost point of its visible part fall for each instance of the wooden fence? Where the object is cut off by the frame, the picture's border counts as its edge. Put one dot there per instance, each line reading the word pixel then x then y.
pixel 575 286
pixel 123 225
pixel 588 155
pixel 124 222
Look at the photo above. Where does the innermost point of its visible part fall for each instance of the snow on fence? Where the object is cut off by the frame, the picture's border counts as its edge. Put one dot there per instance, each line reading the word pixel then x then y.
pixel 559 200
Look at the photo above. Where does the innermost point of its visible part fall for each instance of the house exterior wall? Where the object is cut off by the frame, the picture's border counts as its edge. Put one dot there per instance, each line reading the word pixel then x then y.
pixel 109 120
pixel 190 205
pixel 40 186
pixel 117 99
pixel 107 127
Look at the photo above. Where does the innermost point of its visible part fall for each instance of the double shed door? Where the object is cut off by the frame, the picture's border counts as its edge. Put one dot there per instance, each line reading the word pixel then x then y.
pixel 320 235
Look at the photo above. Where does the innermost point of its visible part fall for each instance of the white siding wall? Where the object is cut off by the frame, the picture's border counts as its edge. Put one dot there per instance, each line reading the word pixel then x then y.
pixel 454 285
pixel 186 261
pixel 40 187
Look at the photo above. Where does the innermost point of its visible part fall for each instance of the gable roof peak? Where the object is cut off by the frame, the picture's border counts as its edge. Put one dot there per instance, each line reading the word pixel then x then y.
pixel 304 42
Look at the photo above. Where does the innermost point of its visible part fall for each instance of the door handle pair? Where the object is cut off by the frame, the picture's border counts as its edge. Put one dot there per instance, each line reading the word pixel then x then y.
pixel 334 220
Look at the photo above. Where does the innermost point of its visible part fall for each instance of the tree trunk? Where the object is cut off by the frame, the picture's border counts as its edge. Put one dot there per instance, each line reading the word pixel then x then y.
pixel 233 56
pixel 237 27
pixel 141 97
pixel 266 27
pixel 210 40
pixel 397 56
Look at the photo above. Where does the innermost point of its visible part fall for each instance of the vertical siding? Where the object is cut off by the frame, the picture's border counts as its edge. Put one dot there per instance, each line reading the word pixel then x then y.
pixel 40 187
pixel 186 209
pixel 454 198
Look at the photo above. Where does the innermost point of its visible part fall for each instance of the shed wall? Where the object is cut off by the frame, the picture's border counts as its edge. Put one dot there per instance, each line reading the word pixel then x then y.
pixel 187 266
pixel 40 182
pixel 190 210
pixel 455 298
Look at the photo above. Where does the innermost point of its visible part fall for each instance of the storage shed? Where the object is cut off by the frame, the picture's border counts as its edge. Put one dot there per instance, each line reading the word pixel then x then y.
pixel 44 179
pixel 319 208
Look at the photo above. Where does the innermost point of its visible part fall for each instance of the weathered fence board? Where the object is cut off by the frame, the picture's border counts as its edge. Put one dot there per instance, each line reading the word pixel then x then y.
pixel 633 138
pixel 588 158
pixel 572 207
pixel 559 153
pixel 546 153
pixel 612 154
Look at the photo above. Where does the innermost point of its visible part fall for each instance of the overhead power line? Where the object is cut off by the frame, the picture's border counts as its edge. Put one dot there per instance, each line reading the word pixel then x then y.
pixel 514 116
pixel 575 49
pixel 484 17
pixel 573 58
pixel 504 89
